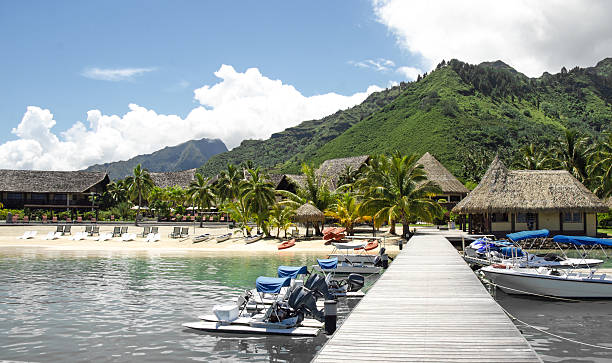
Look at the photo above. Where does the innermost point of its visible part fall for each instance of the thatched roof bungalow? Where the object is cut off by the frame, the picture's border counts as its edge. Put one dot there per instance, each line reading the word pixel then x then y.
pixel 50 189
pixel 331 170
pixel 307 214
pixel 452 189
pixel 174 178
pixel 513 200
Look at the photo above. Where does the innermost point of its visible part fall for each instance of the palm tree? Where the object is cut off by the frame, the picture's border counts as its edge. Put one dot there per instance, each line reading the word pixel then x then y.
pixel 281 218
pixel 571 154
pixel 396 188
pixel 201 193
pixel 258 194
pixel 117 191
pixel 238 211
pixel 139 186
pixel 346 211
pixel 601 166
pixel 229 183
pixel 531 158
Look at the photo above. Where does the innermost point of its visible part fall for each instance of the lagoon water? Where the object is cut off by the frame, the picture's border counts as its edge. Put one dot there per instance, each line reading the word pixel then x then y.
pixel 81 306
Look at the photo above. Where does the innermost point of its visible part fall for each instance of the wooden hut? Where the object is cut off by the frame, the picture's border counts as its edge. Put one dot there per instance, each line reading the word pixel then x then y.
pixel 40 189
pixel 308 214
pixel 452 189
pixel 513 200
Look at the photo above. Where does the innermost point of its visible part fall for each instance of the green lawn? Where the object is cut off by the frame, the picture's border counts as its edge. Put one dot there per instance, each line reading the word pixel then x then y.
pixel 605 230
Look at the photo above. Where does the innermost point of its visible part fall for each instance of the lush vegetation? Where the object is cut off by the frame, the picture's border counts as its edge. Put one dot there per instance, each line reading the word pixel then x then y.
pixel 459 113
pixel 188 155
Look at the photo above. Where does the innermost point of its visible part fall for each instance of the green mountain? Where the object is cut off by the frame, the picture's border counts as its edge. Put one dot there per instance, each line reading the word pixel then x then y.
pixel 456 111
pixel 188 155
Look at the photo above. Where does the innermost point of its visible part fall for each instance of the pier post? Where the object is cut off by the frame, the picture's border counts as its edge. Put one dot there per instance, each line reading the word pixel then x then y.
pixel 330 309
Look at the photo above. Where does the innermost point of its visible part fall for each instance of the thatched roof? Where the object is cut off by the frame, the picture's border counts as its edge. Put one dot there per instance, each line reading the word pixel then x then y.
pixel 309 213
pixel 41 181
pixel 503 190
pixel 299 180
pixel 608 202
pixel 331 169
pixel 174 178
pixel 437 173
pixel 275 179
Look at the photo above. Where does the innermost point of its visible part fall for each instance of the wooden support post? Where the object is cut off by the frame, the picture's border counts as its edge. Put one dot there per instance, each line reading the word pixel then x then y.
pixel 561 221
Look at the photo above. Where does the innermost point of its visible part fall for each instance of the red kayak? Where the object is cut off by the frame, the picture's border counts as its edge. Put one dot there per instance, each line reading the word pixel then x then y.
pixel 370 246
pixel 287 244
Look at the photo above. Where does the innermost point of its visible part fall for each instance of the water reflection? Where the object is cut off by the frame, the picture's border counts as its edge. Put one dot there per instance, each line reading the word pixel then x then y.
pixel 81 306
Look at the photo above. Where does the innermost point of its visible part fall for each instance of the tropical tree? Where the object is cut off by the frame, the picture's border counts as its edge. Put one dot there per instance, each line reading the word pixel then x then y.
pixel 229 184
pixel 239 212
pixel 139 185
pixel 346 211
pixel 117 191
pixel 396 189
pixel 530 157
pixel 601 166
pixel 258 194
pixel 570 154
pixel 201 193
pixel 281 218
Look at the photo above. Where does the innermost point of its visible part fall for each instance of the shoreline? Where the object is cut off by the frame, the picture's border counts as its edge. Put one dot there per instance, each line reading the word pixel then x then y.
pixel 167 245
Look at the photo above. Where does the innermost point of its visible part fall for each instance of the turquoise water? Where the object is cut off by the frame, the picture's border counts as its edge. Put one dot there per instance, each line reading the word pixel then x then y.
pixel 73 307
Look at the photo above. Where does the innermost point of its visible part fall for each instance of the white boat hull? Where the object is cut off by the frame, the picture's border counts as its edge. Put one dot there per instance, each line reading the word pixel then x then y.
pixel 243 329
pixel 358 259
pixel 243 320
pixel 349 269
pixel 223 238
pixel 571 286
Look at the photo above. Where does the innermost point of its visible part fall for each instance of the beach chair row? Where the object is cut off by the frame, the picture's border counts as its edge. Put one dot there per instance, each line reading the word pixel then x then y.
pixel 179 232
pixel 151 234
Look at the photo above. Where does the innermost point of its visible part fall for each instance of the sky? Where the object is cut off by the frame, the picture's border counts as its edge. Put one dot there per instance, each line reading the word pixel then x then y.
pixel 86 82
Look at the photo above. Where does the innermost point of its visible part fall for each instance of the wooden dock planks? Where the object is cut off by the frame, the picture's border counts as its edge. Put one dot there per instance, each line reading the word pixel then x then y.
pixel 427 307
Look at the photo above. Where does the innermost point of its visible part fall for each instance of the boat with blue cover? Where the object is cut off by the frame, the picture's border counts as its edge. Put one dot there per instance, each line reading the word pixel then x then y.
pixel 283 316
pixel 485 251
pixel 557 281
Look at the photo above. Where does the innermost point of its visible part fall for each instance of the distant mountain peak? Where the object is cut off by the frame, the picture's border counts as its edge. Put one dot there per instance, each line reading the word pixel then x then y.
pixel 498 64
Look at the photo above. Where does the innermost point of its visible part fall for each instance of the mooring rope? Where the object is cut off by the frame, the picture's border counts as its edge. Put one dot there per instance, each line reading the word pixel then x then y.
pixel 554 335
pixel 539 329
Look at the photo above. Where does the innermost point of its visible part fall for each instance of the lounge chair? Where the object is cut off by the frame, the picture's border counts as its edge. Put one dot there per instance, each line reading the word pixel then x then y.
pixel 145 231
pixel 67 230
pixel 124 230
pixel 60 229
pixel 88 230
pixel 155 230
pixel 176 233
pixel 184 232
pixel 78 236
pixel 95 230
pixel 105 236
pixel 152 237
pixel 128 237
pixel 27 234
pixel 53 235
pixel 116 231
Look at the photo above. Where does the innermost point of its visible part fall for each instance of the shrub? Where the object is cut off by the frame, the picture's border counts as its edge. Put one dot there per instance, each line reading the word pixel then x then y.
pixel 449 107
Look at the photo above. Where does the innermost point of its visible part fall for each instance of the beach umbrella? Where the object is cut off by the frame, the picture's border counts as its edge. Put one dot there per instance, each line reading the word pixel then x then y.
pixel 308 213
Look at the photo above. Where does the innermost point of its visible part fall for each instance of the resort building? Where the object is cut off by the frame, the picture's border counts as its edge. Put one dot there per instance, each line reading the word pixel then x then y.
pixel 514 200
pixel 38 189
pixel 452 189
pixel 174 178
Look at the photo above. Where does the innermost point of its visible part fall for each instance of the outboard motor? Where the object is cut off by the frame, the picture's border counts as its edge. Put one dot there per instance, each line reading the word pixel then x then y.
pixel 302 301
pixel 382 259
pixel 355 282
pixel 317 284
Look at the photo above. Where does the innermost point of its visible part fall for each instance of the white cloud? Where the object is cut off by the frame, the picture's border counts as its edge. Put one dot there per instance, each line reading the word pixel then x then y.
pixel 121 74
pixel 410 73
pixel 240 106
pixel 380 64
pixel 532 36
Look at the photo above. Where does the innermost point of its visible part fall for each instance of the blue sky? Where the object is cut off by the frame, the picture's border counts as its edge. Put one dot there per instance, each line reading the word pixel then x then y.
pixel 48 45
pixel 87 82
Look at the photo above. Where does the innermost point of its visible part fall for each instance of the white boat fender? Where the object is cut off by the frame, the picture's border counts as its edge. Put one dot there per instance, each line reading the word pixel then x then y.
pixel 330 310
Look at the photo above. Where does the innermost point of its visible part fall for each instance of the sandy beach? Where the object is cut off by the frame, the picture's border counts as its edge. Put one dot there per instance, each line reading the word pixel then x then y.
pixel 9 234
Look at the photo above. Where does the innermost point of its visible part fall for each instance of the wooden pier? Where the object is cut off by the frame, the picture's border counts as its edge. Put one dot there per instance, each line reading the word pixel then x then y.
pixel 428 307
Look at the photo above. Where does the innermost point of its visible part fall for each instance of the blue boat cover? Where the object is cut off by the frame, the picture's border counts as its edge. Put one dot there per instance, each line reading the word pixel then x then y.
pixel 327 263
pixel 291 271
pixel 271 285
pixel 582 240
pixel 519 236
pixel 511 252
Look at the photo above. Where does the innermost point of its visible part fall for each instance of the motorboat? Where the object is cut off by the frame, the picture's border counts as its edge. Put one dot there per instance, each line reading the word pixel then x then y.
pixel 201 238
pixel 284 316
pixel 485 251
pixel 254 238
pixel 554 280
pixel 223 237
